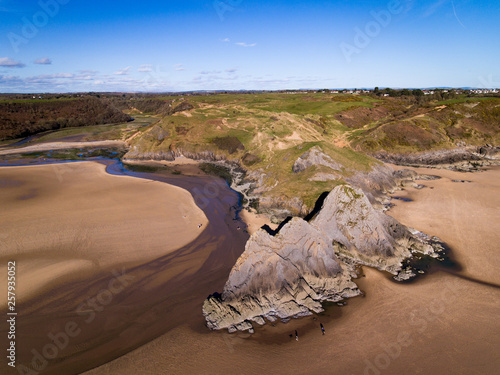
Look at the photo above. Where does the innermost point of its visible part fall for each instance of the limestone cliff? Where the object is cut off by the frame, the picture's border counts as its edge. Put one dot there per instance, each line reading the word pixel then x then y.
pixel 280 277
pixel 306 263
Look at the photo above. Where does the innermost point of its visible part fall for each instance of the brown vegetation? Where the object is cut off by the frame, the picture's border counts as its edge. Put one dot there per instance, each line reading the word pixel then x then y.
pixel 24 118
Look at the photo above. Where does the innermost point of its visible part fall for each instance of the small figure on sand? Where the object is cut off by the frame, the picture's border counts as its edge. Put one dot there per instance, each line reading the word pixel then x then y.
pixel 199 225
pixel 296 336
pixel 322 328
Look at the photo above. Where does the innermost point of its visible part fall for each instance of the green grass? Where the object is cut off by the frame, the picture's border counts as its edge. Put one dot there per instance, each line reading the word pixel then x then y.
pixel 97 132
pixel 465 99
pixel 265 122
pixel 307 104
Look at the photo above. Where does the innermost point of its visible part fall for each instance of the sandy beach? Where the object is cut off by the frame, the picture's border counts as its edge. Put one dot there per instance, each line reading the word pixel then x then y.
pixel 442 323
pixel 68 220
pixel 112 255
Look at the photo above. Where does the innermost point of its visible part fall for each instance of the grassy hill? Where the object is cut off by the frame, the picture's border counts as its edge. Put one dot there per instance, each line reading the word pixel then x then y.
pixel 268 132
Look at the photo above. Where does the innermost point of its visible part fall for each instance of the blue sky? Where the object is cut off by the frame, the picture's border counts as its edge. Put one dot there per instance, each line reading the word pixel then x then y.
pixel 76 45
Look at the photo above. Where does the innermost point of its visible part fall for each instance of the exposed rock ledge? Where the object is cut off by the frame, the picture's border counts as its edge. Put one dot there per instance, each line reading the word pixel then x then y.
pixel 306 263
pixel 462 159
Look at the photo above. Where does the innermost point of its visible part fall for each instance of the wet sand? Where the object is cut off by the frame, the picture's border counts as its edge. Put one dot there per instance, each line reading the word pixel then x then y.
pixel 142 267
pixel 442 323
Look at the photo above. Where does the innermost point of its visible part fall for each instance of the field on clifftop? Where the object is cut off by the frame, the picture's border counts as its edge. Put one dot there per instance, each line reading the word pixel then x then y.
pixel 294 145
pixel 268 132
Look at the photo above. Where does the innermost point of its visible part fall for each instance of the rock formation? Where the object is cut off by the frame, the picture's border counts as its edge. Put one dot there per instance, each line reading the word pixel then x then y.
pixel 365 235
pixel 315 156
pixel 460 159
pixel 306 263
pixel 280 277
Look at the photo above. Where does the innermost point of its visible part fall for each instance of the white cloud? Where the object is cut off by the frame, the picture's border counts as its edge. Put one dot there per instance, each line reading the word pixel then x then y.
pixel 233 70
pixel 9 63
pixel 10 80
pixel 63 75
pixel 122 72
pixel 226 40
pixel 145 68
pixel 242 44
pixel 88 72
pixel 43 61
pixel 180 69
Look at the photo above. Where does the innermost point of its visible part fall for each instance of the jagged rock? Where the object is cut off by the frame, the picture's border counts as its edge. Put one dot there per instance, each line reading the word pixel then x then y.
pixel 489 151
pixel 406 177
pixel 305 263
pixel 314 156
pixel 376 183
pixel 459 159
pixel 404 275
pixel 280 277
pixel 282 207
pixel 427 177
pixel 367 236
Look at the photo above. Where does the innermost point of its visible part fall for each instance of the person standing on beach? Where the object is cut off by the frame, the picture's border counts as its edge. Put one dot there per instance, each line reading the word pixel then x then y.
pixel 322 328
pixel 296 335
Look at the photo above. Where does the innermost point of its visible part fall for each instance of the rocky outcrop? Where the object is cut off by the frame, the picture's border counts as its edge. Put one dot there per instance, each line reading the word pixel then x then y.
pixel 382 180
pixel 135 153
pixel 315 156
pixel 279 208
pixel 459 159
pixel 280 277
pixel 306 263
pixel 366 236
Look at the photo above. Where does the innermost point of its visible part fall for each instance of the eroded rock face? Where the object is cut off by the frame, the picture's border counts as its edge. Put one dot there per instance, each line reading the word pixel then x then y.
pixel 280 277
pixel 314 157
pixel 366 235
pixel 306 263
pixel 462 159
